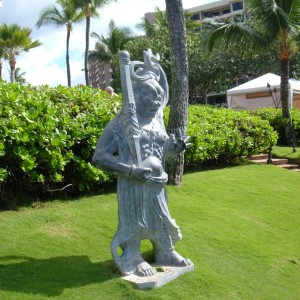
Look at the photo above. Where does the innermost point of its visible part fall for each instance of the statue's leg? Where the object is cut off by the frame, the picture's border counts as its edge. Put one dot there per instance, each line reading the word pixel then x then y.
pixel 165 253
pixel 131 261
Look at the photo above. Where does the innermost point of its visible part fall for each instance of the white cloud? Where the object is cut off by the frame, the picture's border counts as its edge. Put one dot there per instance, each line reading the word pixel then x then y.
pixel 51 74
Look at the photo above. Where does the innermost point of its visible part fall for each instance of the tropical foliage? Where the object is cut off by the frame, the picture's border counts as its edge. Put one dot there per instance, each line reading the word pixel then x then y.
pixel 272 24
pixel 220 135
pixel 19 76
pixel 212 72
pixel 48 136
pixel 13 41
pixel 89 7
pixel 107 48
pixel 279 123
pixel 64 13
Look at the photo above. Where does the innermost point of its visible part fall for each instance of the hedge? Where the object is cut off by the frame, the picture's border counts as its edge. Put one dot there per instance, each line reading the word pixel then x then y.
pixel 276 120
pixel 221 135
pixel 48 136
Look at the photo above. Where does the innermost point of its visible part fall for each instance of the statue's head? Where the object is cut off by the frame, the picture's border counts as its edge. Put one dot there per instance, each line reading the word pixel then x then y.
pixel 149 97
pixel 149 86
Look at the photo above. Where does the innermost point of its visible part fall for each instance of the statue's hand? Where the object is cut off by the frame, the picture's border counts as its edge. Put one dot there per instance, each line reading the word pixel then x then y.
pixel 180 143
pixel 140 174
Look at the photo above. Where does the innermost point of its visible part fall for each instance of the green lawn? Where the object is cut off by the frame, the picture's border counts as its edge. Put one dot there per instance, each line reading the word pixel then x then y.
pixel 287 152
pixel 240 225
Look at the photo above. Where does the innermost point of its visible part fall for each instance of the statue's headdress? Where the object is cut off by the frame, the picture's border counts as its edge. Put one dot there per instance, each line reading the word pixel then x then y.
pixel 135 72
pixel 149 69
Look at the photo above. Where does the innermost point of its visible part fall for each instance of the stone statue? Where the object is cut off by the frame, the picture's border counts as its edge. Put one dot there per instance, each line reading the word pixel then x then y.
pixel 135 145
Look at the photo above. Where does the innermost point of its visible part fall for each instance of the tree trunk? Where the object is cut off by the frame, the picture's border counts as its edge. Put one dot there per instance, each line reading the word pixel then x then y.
pixel 285 103
pixel 284 88
pixel 179 92
pixel 87 43
pixel 68 59
pixel 12 64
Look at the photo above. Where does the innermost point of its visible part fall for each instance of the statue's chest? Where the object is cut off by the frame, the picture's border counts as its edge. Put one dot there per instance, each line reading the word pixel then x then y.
pixel 152 143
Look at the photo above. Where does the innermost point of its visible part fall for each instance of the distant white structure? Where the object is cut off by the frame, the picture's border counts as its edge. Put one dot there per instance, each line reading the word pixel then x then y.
pixel 221 9
pixel 0 3
pixel 263 91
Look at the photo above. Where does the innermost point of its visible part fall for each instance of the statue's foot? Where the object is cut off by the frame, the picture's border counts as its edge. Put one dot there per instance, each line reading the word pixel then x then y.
pixel 172 258
pixel 144 269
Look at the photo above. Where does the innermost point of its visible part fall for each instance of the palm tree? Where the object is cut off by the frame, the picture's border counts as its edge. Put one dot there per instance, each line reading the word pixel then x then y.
pixel 107 48
pixel 19 76
pixel 160 24
pixel 3 36
pixel 1 56
pixel 273 24
pixel 89 7
pixel 180 86
pixel 64 14
pixel 15 40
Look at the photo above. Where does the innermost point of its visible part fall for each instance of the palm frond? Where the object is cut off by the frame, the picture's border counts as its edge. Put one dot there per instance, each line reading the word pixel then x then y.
pixel 272 16
pixel 232 35
pixel 51 16
pixel 295 13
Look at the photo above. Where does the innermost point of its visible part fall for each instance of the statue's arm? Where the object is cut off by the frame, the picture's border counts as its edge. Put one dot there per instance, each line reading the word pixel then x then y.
pixel 177 144
pixel 105 157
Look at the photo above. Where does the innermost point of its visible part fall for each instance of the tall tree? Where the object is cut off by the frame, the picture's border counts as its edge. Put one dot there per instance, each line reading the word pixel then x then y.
pixel 107 48
pixel 2 48
pixel 14 41
pixel 89 7
pixel 64 13
pixel 179 87
pixel 273 24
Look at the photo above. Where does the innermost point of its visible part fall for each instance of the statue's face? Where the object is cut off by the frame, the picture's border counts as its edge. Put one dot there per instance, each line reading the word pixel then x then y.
pixel 149 98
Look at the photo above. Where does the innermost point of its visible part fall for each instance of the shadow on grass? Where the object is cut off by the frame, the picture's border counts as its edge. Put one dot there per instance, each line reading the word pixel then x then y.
pixel 211 166
pixel 51 276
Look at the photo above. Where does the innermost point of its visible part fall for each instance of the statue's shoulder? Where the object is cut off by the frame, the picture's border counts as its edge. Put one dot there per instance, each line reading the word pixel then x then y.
pixel 116 124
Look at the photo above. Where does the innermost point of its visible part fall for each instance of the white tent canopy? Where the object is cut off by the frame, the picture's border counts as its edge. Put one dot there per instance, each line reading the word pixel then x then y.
pixel 256 93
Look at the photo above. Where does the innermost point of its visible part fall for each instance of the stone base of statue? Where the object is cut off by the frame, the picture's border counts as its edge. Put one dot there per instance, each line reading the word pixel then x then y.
pixel 164 275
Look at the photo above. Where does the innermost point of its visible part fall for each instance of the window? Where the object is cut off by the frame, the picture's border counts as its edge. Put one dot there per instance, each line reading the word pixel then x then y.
pixel 214 14
pixel 237 6
pixel 226 11
pixel 209 14
pixel 196 17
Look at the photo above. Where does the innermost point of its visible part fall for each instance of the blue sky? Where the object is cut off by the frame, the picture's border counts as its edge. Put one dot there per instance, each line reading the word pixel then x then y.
pixel 46 64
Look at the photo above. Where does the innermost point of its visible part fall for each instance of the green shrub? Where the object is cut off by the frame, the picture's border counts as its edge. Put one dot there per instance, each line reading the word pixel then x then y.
pixel 47 138
pixel 221 135
pixel 274 116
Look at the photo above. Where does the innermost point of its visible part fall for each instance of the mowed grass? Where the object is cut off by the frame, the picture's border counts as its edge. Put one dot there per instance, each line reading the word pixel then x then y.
pixel 287 152
pixel 240 225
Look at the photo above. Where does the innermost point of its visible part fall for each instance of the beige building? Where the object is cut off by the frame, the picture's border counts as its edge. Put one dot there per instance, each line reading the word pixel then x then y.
pixel 100 74
pixel 221 9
